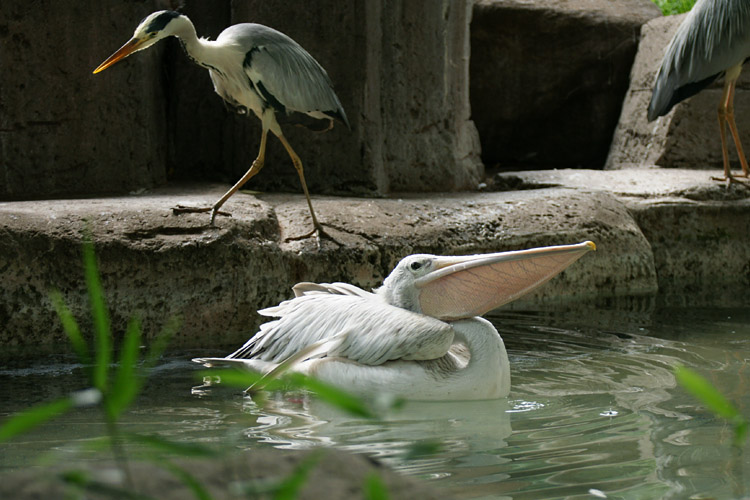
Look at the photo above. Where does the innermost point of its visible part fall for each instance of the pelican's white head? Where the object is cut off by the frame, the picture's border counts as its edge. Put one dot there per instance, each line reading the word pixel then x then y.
pixel 399 287
pixel 153 28
pixel 470 285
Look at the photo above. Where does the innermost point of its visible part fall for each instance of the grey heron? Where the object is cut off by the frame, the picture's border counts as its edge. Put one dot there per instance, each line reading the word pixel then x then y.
pixel 419 336
pixel 712 40
pixel 253 67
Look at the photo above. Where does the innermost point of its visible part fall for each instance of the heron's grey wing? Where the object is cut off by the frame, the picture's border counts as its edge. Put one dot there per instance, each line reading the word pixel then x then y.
pixel 289 78
pixel 714 36
pixel 375 332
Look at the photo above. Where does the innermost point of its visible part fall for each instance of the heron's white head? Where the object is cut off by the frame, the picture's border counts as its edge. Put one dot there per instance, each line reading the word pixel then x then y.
pixel 153 28
pixel 470 285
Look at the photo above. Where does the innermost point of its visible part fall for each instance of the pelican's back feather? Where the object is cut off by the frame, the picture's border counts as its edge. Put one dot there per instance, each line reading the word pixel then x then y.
pixel 376 332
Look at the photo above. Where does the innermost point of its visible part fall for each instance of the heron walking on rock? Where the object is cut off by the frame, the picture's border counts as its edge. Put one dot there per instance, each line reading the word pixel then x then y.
pixel 253 67
pixel 713 40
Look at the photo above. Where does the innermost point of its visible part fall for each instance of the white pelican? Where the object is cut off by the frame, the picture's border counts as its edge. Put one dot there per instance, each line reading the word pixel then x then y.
pixel 419 336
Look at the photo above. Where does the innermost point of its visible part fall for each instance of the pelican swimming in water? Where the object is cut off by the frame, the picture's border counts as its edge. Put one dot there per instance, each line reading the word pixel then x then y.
pixel 418 336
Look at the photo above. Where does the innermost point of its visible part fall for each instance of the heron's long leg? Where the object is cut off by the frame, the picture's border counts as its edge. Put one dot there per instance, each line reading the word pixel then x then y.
pixel 298 166
pixel 254 169
pixel 723 129
pixel 733 128
pixel 726 114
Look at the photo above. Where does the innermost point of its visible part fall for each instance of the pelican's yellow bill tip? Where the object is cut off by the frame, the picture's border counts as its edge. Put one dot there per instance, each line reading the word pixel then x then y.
pixel 590 244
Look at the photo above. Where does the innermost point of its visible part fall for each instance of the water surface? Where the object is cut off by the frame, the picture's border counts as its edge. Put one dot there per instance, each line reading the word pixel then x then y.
pixel 594 410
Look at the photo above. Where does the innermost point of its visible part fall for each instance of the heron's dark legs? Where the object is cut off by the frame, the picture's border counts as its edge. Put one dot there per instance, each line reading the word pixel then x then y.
pixel 254 169
pixel 726 116
pixel 317 227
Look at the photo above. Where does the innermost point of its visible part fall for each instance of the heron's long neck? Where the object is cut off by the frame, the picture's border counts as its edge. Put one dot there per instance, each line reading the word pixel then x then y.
pixel 203 52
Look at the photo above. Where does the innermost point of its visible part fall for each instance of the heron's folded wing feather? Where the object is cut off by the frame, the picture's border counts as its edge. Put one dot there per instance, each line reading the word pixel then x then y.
pixel 292 76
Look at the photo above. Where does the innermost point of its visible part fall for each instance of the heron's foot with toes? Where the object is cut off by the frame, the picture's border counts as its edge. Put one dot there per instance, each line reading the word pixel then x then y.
pixel 732 179
pixel 182 209
pixel 318 232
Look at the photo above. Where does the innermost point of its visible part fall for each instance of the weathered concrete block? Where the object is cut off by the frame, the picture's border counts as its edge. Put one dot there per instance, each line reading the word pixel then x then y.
pixel 688 136
pixel 401 73
pixel 698 231
pixel 62 129
pixel 400 70
pixel 548 77
pixel 215 279
pixel 701 247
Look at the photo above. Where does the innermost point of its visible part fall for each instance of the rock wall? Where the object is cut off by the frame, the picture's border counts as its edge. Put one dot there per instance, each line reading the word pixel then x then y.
pixel 62 130
pixel 548 78
pixel 215 279
pixel 400 69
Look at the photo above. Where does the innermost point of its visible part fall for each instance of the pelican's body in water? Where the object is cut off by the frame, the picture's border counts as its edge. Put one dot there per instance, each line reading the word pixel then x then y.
pixel 419 336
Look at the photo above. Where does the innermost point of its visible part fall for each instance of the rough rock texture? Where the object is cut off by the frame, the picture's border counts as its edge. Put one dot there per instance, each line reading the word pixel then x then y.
pixel 548 77
pixel 160 265
pixel 697 229
pixel 336 476
pixel 400 70
pixel 63 131
pixel 688 136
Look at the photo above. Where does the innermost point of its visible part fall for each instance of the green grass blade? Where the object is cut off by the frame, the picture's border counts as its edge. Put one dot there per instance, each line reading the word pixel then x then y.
pixel 712 399
pixel 199 491
pixel 100 315
pixel 706 393
pixel 81 479
pixel 374 488
pixel 160 342
pixel 289 488
pixel 181 449
pixel 333 395
pixel 33 417
pixel 236 378
pixel 422 449
pixel 127 383
pixel 70 325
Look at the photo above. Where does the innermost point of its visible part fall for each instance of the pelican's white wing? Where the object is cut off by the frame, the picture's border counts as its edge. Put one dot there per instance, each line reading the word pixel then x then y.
pixel 373 331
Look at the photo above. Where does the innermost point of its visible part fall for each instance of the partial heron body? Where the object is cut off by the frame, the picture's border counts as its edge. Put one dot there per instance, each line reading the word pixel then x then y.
pixel 253 67
pixel 418 336
pixel 713 40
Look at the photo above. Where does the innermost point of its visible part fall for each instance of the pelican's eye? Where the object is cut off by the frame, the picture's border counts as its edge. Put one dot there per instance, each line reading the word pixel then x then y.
pixel 415 266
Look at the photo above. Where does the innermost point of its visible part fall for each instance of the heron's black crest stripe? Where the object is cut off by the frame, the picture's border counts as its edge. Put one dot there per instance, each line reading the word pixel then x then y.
pixel 160 21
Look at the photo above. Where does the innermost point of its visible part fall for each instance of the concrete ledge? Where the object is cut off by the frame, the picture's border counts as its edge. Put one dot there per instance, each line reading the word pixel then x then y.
pixel 698 229
pixel 159 265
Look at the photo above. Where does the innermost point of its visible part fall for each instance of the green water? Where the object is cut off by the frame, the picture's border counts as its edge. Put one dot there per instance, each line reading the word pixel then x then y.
pixel 594 410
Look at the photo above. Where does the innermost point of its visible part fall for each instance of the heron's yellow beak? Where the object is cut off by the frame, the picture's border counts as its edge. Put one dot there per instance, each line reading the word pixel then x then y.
pixel 130 46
